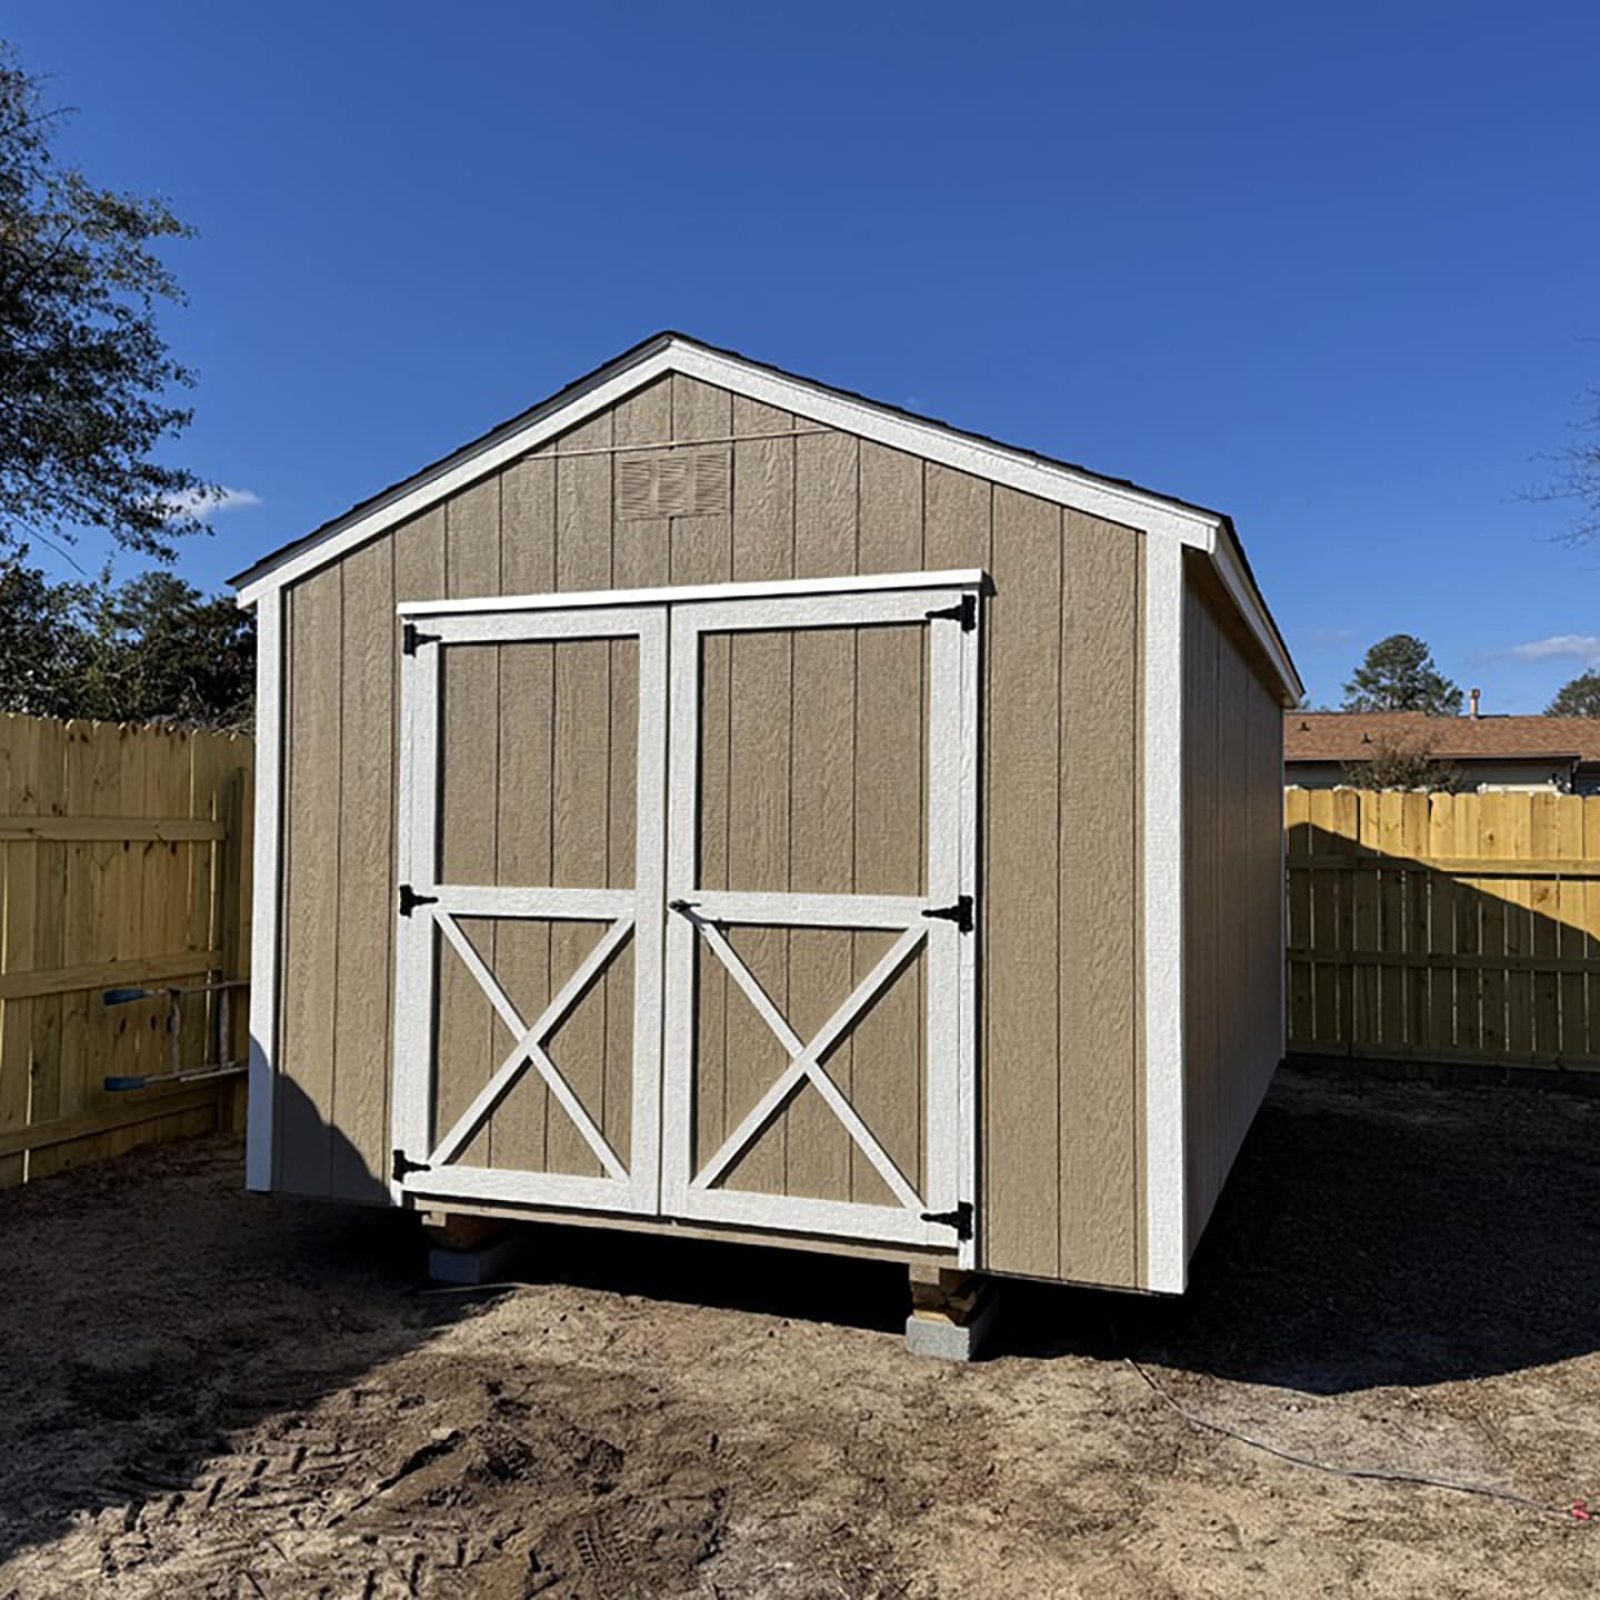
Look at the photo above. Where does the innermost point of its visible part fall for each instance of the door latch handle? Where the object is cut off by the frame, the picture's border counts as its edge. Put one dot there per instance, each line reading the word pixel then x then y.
pixel 960 1219
pixel 960 913
pixel 682 907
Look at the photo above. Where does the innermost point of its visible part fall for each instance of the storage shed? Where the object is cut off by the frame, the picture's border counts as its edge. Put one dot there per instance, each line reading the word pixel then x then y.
pixel 716 803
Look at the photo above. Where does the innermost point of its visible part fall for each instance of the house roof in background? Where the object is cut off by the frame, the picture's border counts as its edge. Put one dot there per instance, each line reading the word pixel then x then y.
pixel 1352 735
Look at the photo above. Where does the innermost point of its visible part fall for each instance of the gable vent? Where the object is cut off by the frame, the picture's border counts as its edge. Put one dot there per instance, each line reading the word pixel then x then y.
pixel 685 484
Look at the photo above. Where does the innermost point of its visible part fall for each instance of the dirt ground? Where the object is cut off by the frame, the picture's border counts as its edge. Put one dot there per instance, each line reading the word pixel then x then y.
pixel 208 1393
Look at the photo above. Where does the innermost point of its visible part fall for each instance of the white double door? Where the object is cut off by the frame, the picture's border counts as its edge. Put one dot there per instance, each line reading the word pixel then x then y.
pixel 686 910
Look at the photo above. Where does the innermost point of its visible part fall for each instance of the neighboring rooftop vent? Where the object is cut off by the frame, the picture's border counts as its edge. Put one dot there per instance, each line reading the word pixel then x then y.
pixel 1473 696
pixel 688 483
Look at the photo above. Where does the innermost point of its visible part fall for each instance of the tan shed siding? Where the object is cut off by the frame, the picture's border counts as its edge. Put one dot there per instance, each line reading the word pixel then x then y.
pixel 1061 1160
pixel 1233 874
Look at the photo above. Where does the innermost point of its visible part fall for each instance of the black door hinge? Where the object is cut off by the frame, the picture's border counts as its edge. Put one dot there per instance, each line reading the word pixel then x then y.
pixel 410 899
pixel 411 637
pixel 403 1164
pixel 964 611
pixel 960 1219
pixel 960 913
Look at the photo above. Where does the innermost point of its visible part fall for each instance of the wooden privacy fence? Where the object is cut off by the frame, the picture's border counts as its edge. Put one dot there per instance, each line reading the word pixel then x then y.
pixel 1444 927
pixel 124 861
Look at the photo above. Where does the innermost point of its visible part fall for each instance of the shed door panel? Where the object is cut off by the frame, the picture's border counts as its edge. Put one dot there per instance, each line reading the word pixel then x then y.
pixel 813 780
pixel 531 1014
pixel 815 1013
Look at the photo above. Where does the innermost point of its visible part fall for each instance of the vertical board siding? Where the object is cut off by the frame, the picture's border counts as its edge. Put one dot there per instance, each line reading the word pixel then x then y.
pixel 314 670
pixel 1100 786
pixel 790 799
pixel 361 1022
pixel 1233 874
pixel 1022 1035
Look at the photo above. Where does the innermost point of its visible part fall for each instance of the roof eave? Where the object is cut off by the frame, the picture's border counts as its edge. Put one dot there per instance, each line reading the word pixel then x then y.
pixel 1114 500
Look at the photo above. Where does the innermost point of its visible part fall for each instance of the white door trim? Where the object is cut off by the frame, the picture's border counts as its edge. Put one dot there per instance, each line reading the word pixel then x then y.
pixel 684 594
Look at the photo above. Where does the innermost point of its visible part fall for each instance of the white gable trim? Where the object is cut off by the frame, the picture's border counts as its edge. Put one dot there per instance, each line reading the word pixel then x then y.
pixel 1016 469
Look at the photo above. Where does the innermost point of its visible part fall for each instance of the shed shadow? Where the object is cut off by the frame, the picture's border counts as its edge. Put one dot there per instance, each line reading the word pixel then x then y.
pixel 153 1307
pixel 1372 1233
pixel 1376 1232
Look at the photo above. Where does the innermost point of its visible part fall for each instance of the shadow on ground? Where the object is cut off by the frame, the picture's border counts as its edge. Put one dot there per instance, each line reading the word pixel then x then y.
pixel 152 1305
pixel 1372 1233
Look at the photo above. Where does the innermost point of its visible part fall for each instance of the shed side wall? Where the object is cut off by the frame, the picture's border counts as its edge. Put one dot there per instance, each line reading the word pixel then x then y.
pixel 1233 893
pixel 1062 1130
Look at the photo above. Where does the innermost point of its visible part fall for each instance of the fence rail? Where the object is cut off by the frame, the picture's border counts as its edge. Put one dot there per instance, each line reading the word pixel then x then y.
pixel 124 862
pixel 1444 927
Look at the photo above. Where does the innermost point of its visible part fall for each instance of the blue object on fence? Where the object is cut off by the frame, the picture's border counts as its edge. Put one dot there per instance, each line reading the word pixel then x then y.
pixel 120 997
pixel 113 1084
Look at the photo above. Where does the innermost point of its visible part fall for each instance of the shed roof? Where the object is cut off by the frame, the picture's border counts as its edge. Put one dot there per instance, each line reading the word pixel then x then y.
pixel 1115 499
pixel 1352 735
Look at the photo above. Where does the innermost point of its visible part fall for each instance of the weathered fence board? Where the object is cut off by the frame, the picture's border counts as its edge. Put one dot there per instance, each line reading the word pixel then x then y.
pixel 124 862
pixel 1444 927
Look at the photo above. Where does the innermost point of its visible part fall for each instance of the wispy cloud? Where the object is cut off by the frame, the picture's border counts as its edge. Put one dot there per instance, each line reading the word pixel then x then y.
pixel 201 503
pixel 1582 647
pixel 1332 635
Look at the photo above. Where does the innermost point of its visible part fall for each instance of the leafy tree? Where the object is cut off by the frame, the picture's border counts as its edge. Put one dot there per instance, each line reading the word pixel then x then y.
pixel 1399 762
pixel 1578 698
pixel 41 640
pixel 151 650
pixel 1398 674
pixel 85 376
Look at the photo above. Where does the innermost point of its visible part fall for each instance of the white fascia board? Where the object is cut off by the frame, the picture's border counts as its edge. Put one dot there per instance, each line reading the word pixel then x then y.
pixel 775 588
pixel 1229 568
pixel 497 451
pixel 1016 469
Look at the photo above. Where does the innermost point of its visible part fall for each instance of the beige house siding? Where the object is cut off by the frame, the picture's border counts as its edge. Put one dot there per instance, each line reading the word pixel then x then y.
pixel 1233 890
pixel 1061 1101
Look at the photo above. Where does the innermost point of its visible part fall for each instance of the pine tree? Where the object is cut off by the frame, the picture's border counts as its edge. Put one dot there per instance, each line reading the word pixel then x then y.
pixel 1399 674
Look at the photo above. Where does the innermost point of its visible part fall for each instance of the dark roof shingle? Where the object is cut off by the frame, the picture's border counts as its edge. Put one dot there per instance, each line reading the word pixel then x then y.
pixel 1351 735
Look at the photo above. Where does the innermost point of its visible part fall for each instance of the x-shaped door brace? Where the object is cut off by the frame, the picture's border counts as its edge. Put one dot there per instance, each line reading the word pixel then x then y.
pixel 529 1049
pixel 805 1061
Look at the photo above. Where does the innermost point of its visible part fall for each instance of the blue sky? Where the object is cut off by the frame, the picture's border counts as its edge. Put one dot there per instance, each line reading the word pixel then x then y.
pixel 1333 269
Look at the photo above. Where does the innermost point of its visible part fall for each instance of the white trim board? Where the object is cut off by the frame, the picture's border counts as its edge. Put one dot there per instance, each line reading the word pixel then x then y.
pixel 266 889
pixel 776 588
pixel 1166 1264
pixel 1152 514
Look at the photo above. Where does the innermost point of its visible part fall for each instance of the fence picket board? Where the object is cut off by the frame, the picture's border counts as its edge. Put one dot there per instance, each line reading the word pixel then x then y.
pixel 1301 928
pixel 1391 917
pixel 1346 816
pixel 1414 842
pixel 1441 933
pixel 1571 943
pixel 1543 936
pixel 1516 842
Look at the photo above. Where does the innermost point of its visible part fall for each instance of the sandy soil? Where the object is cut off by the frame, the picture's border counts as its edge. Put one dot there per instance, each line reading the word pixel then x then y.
pixel 206 1393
